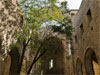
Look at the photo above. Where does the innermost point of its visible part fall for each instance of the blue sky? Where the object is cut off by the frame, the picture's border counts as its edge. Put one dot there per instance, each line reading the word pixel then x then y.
pixel 73 4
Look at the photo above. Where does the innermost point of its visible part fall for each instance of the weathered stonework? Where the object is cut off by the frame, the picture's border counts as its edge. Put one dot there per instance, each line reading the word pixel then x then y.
pixel 87 38
pixel 58 52
pixel 10 21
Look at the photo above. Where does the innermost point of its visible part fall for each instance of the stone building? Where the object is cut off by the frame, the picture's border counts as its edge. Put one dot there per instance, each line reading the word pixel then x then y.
pixel 87 38
pixel 86 35
pixel 73 13
pixel 58 60
pixel 10 21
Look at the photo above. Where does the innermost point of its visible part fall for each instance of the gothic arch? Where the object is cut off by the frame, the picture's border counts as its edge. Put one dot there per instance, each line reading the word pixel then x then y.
pixel 10 65
pixel 55 52
pixel 79 67
pixel 14 54
pixel 91 62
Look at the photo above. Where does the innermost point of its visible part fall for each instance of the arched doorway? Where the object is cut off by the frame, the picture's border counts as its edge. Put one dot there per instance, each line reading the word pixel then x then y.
pixel 52 61
pixel 14 54
pixel 91 63
pixel 79 67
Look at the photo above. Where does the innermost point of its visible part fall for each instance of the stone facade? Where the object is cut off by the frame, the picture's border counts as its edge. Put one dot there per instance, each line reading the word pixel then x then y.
pixel 59 54
pixel 86 35
pixel 10 21
pixel 87 38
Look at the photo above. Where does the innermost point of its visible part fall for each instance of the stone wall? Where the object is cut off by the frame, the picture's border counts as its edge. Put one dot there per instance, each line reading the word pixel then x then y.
pixel 86 38
pixel 58 52
pixel 10 19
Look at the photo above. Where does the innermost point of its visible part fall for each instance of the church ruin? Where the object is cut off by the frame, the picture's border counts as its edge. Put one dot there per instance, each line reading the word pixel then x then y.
pixel 83 60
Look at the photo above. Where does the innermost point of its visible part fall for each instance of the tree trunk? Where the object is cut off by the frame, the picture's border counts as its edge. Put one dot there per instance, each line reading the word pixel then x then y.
pixel 35 60
pixel 23 52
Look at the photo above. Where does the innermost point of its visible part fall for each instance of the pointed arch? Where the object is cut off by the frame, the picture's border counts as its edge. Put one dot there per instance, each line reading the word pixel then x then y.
pixel 91 62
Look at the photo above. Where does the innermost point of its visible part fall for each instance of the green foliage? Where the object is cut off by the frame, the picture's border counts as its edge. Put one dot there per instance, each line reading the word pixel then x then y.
pixel 37 12
pixel 65 25
pixel 6 1
pixel 64 4
pixel 13 46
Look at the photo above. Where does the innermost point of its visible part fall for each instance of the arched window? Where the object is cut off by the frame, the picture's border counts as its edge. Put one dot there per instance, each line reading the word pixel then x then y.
pixel 91 63
pixel 51 64
pixel 89 15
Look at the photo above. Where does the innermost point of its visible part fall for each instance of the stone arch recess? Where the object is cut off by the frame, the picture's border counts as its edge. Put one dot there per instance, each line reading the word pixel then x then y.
pixel 14 55
pixel 91 62
pixel 55 49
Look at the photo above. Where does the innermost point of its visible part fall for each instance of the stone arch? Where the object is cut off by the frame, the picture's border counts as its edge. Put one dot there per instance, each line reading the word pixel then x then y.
pixel 91 62
pixel 79 67
pixel 14 54
pixel 10 65
pixel 55 52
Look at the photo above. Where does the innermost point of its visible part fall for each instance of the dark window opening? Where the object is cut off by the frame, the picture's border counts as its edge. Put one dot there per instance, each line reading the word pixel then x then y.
pixel 83 39
pixel 94 57
pixel 75 39
pixel 95 64
pixel 72 14
pixel 89 16
pixel 91 28
pixel 81 29
pixel 92 66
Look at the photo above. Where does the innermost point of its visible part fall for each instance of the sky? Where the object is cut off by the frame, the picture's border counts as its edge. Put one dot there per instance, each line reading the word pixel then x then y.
pixel 73 4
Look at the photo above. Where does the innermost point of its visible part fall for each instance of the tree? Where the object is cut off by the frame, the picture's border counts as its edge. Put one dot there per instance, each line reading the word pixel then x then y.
pixel 65 25
pixel 37 12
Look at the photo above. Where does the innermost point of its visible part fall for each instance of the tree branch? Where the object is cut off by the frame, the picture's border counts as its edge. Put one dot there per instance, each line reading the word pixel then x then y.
pixel 35 60
pixel 23 52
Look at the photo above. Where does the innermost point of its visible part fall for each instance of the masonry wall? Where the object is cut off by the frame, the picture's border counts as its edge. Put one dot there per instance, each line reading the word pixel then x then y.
pixel 87 36
pixel 58 51
pixel 10 19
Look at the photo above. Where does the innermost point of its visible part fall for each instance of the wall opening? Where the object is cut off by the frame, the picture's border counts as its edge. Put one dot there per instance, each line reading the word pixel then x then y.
pixel 95 64
pixel 51 64
pixel 81 29
pixel 89 15
pixel 91 63
pixel 91 28
pixel 72 14
pixel 14 67
pixel 76 39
